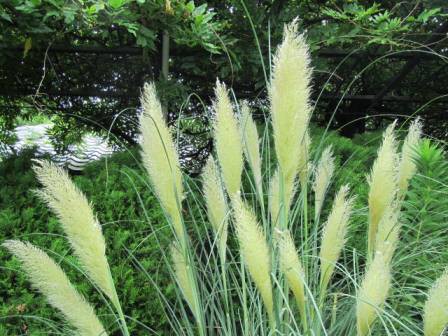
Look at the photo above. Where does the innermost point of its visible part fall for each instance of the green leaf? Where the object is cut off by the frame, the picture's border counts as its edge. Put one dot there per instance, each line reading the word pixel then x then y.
pixel 6 16
pixel 50 14
pixel 200 10
pixel 190 6
pixel 27 46
pixel 115 4
pixel 427 14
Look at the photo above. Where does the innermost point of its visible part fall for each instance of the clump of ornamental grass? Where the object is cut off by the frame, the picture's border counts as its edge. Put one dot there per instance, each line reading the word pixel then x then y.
pixel 253 262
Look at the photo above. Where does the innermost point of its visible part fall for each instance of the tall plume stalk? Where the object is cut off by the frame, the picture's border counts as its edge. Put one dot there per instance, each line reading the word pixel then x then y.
pixel 289 95
pixel 79 223
pixel 303 162
pixel 228 140
pixel 334 235
pixel 51 281
pixel 295 275
pixel 277 203
pixel 162 163
pixel 215 200
pixel 251 145
pixel 255 253
pixel 407 166
pixel 322 179
pixel 160 158
pixel 388 233
pixel 383 184
pixel 183 278
pixel 435 316
pixel 373 294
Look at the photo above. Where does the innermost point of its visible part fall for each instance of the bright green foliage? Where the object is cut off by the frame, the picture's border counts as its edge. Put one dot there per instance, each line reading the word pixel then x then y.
pixel 420 256
pixel 374 24
pixel 119 196
pixel 41 20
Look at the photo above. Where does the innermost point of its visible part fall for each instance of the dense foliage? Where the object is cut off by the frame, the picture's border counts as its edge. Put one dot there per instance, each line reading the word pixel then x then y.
pixel 119 193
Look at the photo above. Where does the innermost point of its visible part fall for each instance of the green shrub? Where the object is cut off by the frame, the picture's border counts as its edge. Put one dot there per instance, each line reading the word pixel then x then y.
pixel 118 193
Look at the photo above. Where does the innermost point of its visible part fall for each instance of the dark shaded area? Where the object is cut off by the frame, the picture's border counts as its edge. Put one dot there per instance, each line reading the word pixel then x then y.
pixel 88 83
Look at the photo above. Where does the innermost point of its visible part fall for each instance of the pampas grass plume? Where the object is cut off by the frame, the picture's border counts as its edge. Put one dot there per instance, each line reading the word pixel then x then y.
pixel 289 96
pixel 51 281
pixel 292 268
pixel 183 278
pixel 255 253
pixel 373 294
pixel 78 221
pixel 334 235
pixel 322 179
pixel 160 157
pixel 251 144
pixel 435 316
pixel 407 166
pixel 388 233
pixel 383 183
pixel 216 202
pixel 228 140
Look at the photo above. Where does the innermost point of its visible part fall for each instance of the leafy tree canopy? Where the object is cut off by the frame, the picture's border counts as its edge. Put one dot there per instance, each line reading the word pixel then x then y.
pixel 83 62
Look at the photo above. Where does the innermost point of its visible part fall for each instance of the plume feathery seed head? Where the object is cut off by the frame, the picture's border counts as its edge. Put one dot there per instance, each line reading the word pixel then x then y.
pixel 382 182
pixel 255 252
pixel 228 140
pixel 160 157
pixel 322 178
pixel 292 268
pixel 289 96
pixel 182 277
pixel 388 233
pixel 435 313
pixel 215 200
pixel 408 167
pixel 47 277
pixel 251 144
pixel 334 234
pixel 78 222
pixel 373 294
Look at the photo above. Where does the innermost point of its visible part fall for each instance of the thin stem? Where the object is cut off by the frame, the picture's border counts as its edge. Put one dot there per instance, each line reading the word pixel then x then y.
pixel 117 305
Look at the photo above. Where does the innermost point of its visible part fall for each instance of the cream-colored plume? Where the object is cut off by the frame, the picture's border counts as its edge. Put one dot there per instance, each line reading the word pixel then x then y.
pixel 289 96
pixel 228 140
pixel 435 316
pixel 407 167
pixel 383 183
pixel 51 281
pixel 334 235
pixel 251 145
pixel 292 268
pixel 160 157
pixel 255 252
pixel 215 200
pixel 388 233
pixel 373 294
pixel 275 196
pixel 78 221
pixel 182 277
pixel 322 178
